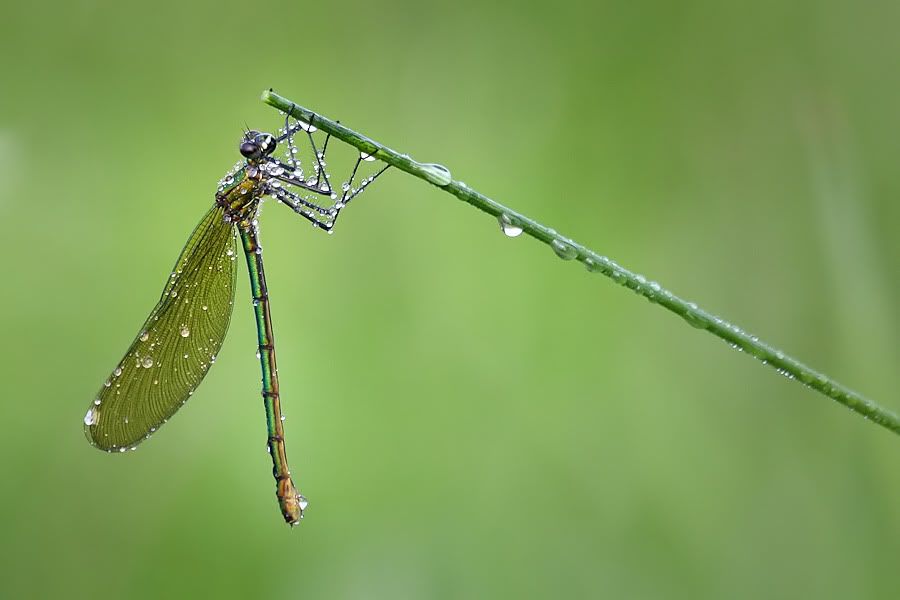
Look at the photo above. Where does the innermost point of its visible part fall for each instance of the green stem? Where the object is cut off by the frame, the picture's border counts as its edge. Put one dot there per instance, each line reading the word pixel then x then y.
pixel 567 249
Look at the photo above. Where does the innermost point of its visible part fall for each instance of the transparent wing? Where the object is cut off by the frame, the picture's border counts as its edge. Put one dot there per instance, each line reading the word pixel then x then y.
pixel 176 345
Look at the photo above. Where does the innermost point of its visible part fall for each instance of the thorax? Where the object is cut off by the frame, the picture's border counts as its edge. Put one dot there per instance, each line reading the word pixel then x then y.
pixel 239 194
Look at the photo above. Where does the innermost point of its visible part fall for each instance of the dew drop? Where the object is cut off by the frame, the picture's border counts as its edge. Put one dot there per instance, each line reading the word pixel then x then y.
pixel 92 416
pixel 185 331
pixel 118 371
pixel 437 174
pixel 694 318
pixel 508 226
pixel 147 362
pixel 144 336
pixel 366 157
pixel 302 502
pixel 563 250
pixel 651 292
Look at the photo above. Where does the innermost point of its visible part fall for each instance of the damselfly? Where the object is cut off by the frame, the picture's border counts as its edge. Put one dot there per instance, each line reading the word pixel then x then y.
pixel 180 339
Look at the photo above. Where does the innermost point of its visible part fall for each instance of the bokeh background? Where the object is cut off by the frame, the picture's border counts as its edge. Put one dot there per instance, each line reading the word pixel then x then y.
pixel 478 419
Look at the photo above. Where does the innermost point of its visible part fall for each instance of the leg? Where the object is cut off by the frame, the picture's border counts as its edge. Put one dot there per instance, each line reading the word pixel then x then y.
pixel 349 192
pixel 329 216
pixel 293 174
pixel 306 209
pixel 290 173
pixel 319 156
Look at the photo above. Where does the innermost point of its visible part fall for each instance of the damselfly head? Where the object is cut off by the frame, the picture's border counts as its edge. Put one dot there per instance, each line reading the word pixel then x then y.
pixel 255 145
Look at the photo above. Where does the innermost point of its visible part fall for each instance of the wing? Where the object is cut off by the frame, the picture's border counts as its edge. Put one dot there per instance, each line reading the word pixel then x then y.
pixel 176 346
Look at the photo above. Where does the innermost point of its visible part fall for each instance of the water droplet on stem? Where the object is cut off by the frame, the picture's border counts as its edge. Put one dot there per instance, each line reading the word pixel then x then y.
pixel 563 250
pixel 509 226
pixel 437 174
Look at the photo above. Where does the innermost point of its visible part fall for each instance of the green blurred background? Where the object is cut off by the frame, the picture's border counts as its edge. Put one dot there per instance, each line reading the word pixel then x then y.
pixel 480 419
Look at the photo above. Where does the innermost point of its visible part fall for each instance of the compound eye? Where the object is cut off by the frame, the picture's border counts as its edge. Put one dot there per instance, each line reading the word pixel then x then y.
pixel 266 143
pixel 249 149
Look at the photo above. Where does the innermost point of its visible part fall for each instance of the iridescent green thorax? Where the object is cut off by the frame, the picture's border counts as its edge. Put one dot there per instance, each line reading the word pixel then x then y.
pixel 239 193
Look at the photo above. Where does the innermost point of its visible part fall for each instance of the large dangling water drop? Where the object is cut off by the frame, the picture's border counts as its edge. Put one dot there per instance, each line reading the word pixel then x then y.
pixel 509 226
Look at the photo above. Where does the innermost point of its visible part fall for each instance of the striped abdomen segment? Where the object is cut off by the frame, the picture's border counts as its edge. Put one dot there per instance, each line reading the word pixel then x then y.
pixel 292 503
